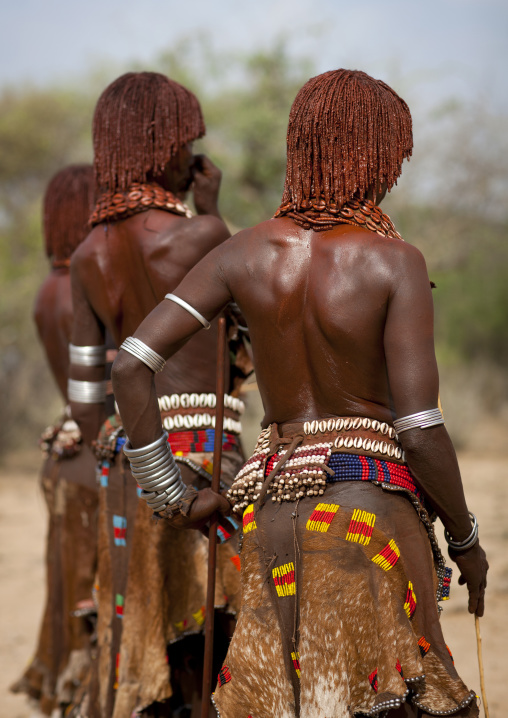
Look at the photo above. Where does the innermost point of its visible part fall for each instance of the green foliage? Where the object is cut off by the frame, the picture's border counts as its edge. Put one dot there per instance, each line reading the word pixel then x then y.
pixel 246 101
pixel 467 257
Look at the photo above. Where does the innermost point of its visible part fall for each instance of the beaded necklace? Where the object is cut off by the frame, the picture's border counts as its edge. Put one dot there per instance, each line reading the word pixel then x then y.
pixel 360 213
pixel 112 206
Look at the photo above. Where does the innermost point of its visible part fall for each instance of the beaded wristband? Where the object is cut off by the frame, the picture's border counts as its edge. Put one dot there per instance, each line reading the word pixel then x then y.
pixel 469 541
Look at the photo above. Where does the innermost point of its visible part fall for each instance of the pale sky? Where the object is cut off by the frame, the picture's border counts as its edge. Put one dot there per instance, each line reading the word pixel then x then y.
pixel 449 47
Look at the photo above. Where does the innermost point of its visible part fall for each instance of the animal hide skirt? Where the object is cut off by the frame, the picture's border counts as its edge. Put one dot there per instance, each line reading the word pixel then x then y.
pixel 62 656
pixel 152 580
pixel 339 614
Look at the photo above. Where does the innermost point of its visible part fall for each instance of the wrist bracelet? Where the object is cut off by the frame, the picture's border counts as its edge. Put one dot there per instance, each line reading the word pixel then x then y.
pixel 154 469
pixel 469 541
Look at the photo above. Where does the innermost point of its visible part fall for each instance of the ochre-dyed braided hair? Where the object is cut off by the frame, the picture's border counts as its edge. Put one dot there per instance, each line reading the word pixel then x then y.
pixel 140 122
pixel 347 133
pixel 68 201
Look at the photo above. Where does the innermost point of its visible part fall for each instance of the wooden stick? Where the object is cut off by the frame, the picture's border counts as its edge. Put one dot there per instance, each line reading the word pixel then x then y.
pixel 212 536
pixel 480 665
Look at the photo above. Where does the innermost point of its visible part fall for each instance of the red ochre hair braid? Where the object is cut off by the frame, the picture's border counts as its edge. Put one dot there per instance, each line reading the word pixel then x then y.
pixel 68 202
pixel 347 133
pixel 140 121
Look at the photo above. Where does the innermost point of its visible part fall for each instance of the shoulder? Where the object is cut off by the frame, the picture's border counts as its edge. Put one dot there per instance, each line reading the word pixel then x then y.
pixel 206 228
pixel 88 253
pixel 266 231
pixel 406 260
pixel 395 257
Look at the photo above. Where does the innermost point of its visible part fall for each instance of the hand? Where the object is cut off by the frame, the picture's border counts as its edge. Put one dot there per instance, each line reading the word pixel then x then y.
pixel 473 567
pixel 207 179
pixel 203 506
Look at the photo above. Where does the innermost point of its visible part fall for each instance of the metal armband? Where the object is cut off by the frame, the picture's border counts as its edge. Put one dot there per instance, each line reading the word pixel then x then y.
pixel 142 351
pixel 421 420
pixel 87 356
pixel 86 392
pixel 191 310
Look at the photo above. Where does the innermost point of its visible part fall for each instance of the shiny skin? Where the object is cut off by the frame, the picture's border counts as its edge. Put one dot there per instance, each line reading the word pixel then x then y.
pixel 124 268
pixel 53 318
pixel 341 324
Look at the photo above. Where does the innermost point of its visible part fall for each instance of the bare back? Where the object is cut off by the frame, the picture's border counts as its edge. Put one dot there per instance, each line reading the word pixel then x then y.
pixel 124 269
pixel 340 321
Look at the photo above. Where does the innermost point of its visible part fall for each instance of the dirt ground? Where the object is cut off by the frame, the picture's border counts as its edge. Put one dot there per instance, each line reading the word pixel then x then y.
pixel 22 534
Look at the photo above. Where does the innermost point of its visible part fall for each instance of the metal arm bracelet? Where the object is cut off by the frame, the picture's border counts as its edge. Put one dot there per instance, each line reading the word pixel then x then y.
pixel 86 392
pixel 469 541
pixel 154 468
pixel 190 309
pixel 421 420
pixel 87 356
pixel 143 352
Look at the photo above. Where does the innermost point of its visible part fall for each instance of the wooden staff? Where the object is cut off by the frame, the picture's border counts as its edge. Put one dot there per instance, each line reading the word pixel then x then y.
pixel 480 665
pixel 212 536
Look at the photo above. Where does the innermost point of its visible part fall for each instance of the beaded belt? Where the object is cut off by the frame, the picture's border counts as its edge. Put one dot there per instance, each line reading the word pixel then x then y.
pixel 185 411
pixel 203 401
pixel 200 441
pixel 303 462
pixel 61 441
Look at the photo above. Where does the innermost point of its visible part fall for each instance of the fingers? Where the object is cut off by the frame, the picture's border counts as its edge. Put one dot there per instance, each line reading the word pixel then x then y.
pixel 481 606
pixel 474 597
pixel 476 602
pixel 205 166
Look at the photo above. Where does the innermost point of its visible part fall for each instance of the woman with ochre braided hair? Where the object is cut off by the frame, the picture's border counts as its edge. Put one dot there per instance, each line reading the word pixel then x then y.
pixel 62 657
pixel 341 569
pixel 144 240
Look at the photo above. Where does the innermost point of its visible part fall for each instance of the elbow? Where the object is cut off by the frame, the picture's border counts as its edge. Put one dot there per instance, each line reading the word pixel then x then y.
pixel 124 370
pixel 420 444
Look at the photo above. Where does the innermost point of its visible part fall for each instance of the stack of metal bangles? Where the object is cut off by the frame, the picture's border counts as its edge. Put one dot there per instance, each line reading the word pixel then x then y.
pixel 421 420
pixel 469 541
pixel 154 468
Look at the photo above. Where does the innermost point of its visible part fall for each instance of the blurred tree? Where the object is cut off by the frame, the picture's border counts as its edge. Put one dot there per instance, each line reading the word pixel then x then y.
pixel 40 131
pixel 451 203
pixel 246 101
